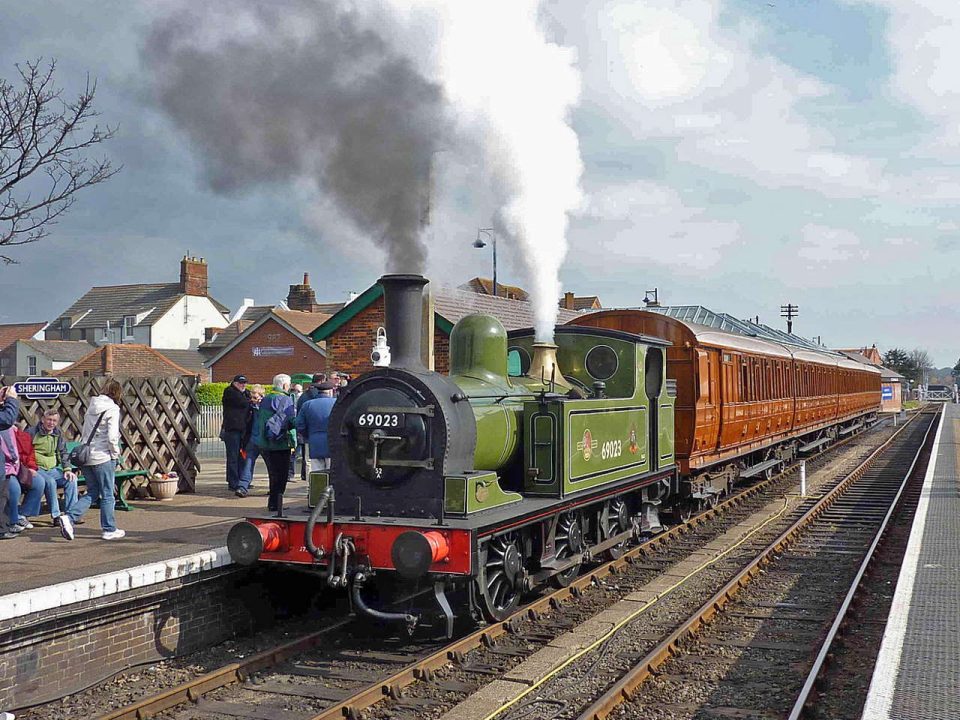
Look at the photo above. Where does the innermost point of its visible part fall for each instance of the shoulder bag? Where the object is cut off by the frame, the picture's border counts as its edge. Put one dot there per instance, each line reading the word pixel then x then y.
pixel 80 455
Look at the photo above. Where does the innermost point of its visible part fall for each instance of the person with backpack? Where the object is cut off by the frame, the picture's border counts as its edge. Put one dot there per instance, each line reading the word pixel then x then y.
pixel 277 437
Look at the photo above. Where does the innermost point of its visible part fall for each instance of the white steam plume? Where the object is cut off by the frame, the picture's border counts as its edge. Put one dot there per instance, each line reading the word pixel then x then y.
pixel 514 91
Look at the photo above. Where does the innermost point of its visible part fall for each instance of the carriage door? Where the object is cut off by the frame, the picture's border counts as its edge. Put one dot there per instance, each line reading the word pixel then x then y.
pixel 653 380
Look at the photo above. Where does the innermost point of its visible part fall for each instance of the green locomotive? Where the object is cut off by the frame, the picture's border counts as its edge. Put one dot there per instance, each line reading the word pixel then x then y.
pixel 526 461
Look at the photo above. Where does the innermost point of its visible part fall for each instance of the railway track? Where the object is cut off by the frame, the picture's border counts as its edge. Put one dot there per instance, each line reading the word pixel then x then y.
pixel 330 675
pixel 741 653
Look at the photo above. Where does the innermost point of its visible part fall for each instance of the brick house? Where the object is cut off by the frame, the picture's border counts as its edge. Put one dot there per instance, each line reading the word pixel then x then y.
pixel 350 333
pixel 159 315
pixel 277 342
pixel 569 301
pixel 127 360
pixel 484 286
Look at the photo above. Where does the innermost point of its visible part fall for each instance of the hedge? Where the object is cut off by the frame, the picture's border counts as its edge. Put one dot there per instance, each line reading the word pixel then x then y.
pixel 211 393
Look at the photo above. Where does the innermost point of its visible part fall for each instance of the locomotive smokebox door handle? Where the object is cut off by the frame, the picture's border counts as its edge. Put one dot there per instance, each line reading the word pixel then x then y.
pixel 379 437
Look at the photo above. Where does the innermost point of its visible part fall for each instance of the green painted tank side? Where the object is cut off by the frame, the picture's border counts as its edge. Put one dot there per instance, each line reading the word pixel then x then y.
pixel 478 365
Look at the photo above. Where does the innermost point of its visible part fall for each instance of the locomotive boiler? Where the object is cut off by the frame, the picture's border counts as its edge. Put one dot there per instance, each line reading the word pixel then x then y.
pixel 526 461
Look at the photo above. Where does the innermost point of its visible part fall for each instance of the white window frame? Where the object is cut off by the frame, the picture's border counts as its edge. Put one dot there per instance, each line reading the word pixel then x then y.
pixel 132 320
pixel 31 364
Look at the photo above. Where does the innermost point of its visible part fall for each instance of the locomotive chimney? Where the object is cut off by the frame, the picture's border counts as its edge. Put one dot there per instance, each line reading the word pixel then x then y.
pixel 544 365
pixel 403 318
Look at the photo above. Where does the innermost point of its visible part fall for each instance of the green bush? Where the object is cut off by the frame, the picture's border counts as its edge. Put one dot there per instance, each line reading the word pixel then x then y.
pixel 211 393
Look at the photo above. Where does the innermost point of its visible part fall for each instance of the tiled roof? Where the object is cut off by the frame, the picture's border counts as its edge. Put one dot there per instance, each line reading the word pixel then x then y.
pixel 330 308
pixel 484 286
pixel 226 336
pixel 454 304
pixel 9 334
pixel 61 350
pixel 305 322
pixel 584 302
pixel 887 373
pixel 110 303
pixel 128 360
pixel 188 359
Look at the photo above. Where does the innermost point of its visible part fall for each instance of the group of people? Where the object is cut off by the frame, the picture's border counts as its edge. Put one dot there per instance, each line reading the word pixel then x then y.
pixel 36 466
pixel 279 425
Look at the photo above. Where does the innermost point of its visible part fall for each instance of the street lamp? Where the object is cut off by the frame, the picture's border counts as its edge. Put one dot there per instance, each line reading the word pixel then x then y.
pixel 479 243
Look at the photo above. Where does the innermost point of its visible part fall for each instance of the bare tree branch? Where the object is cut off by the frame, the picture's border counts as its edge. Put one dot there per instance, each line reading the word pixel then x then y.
pixel 44 142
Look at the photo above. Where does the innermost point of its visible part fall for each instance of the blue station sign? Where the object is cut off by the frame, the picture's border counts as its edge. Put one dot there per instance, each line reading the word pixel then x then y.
pixel 886 392
pixel 42 388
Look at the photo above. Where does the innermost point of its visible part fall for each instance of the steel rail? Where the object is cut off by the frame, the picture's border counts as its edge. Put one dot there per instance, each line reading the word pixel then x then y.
pixel 821 659
pixel 193 690
pixel 624 689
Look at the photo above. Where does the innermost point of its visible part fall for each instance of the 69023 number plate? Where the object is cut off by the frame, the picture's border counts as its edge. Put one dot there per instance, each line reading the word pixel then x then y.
pixel 380 420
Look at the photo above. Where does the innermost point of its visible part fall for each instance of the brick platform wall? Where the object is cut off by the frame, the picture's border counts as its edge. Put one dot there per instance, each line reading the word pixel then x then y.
pixel 49 654
pixel 348 349
pixel 261 369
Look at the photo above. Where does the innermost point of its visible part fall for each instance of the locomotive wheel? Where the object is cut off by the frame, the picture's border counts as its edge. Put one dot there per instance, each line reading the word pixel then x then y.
pixel 568 543
pixel 500 582
pixel 617 521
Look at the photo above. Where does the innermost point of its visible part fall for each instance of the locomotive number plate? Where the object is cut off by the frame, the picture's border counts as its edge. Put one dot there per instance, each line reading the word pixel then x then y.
pixel 380 420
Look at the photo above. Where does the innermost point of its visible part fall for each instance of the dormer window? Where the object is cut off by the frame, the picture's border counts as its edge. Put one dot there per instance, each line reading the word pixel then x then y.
pixel 64 324
pixel 128 323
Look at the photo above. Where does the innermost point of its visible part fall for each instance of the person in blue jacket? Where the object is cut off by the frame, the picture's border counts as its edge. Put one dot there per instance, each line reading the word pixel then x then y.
pixel 9 412
pixel 312 425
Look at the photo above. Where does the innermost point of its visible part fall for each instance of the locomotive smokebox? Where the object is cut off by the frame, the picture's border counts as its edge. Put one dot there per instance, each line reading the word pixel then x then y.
pixel 403 315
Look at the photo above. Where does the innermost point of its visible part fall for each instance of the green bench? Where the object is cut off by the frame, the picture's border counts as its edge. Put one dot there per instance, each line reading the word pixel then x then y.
pixel 124 479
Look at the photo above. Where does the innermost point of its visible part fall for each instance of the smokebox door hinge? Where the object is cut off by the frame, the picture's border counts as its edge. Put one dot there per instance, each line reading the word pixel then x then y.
pixel 427 410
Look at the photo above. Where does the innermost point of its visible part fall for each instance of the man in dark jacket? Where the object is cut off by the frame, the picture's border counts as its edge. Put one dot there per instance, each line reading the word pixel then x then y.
pixel 313 391
pixel 9 412
pixel 236 407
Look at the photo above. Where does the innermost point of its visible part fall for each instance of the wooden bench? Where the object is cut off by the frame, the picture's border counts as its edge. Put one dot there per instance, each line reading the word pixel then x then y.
pixel 124 479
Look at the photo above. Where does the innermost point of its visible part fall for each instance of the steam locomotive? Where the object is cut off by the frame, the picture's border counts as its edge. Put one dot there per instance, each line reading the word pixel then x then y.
pixel 530 459
pixel 482 481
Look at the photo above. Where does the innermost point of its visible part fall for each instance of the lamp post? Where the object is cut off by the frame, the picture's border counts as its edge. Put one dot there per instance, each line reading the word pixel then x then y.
pixel 479 243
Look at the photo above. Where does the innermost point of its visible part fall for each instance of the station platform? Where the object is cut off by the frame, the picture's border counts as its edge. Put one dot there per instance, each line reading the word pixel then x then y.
pixel 164 540
pixel 918 668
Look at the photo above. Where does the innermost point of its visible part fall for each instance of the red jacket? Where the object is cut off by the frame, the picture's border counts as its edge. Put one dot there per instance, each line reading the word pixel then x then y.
pixel 25 448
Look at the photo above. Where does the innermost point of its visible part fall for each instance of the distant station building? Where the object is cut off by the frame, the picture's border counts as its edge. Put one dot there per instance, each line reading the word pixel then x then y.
pixel 891 382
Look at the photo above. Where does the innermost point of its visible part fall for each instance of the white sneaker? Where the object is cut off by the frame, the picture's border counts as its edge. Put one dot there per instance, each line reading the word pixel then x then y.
pixel 25 524
pixel 113 534
pixel 66 526
pixel 7 716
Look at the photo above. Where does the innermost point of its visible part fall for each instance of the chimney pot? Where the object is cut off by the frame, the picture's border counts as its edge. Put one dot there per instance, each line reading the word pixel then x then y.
pixel 306 278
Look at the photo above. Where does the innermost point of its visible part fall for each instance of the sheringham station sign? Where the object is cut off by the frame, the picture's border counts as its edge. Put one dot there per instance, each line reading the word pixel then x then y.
pixel 42 388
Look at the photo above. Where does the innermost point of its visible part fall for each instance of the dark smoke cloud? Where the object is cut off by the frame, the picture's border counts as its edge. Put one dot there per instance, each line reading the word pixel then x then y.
pixel 279 91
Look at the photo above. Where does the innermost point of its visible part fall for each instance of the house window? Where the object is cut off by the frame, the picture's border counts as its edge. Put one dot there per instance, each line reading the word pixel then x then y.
pixel 128 321
pixel 31 364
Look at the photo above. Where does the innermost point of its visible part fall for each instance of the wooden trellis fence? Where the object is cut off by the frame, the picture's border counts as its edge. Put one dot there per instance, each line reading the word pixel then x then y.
pixel 158 420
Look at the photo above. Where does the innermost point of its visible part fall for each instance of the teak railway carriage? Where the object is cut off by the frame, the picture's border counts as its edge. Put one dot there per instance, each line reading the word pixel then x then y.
pixel 747 405
pixel 482 481
pixel 530 459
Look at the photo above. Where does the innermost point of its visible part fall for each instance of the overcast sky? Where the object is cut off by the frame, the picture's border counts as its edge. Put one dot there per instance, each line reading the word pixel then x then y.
pixel 738 154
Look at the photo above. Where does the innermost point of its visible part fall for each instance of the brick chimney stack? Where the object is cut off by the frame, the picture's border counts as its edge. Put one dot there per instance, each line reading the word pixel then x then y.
pixel 302 297
pixel 568 301
pixel 193 276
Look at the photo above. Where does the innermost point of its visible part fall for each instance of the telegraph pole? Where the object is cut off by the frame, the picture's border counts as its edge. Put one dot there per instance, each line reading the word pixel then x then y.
pixel 789 311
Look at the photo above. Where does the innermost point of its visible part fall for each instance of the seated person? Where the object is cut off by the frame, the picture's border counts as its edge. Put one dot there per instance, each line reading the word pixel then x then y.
pixel 13 460
pixel 50 450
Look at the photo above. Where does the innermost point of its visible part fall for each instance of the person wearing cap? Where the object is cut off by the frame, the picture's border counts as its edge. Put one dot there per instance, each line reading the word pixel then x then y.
pixel 236 408
pixel 312 424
